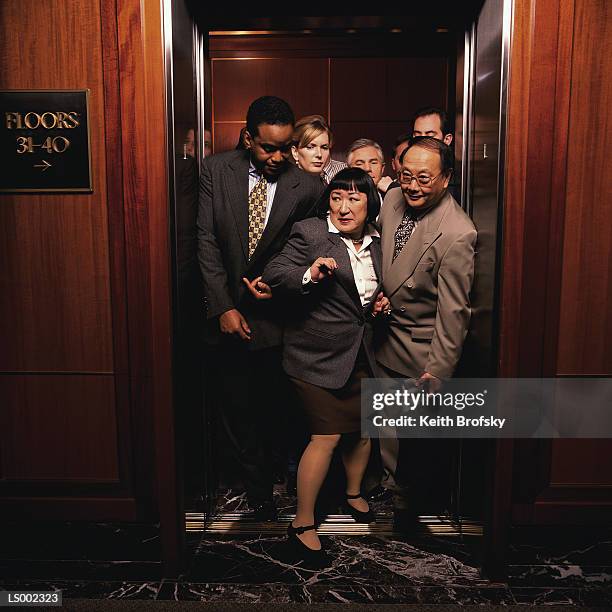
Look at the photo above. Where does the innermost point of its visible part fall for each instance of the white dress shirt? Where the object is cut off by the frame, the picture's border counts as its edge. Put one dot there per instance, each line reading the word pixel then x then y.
pixel 254 177
pixel 361 263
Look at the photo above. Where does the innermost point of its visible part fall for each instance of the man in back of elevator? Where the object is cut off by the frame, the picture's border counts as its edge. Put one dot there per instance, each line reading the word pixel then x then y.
pixel 432 121
pixel 249 199
pixel 368 155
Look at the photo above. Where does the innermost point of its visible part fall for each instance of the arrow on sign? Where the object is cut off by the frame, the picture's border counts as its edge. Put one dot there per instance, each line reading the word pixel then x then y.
pixel 45 165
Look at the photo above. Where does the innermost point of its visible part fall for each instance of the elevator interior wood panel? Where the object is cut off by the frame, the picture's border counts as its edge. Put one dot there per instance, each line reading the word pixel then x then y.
pixel 363 85
pixel 302 82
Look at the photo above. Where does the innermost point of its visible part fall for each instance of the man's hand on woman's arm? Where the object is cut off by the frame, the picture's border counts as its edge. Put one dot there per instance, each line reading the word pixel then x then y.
pixel 382 304
pixel 259 290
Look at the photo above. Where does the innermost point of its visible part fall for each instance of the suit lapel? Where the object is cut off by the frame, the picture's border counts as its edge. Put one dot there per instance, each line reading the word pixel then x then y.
pixel 283 205
pixel 344 273
pixel 376 255
pixel 237 186
pixel 425 234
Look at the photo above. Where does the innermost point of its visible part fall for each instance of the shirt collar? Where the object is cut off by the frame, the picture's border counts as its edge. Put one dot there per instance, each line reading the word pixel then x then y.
pixel 253 171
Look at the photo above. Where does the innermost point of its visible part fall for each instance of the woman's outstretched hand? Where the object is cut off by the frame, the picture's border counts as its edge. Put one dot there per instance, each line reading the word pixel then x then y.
pixel 382 304
pixel 322 267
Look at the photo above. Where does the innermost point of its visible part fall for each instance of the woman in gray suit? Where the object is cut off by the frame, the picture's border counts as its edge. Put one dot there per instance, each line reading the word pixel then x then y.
pixel 329 274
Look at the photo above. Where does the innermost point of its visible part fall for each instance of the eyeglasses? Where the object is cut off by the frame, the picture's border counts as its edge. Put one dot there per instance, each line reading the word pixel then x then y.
pixel 422 180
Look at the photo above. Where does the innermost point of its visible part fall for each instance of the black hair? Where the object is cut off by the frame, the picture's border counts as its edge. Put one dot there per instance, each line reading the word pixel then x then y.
pixel 447 159
pixel 434 110
pixel 270 110
pixel 351 179
pixel 398 141
pixel 240 146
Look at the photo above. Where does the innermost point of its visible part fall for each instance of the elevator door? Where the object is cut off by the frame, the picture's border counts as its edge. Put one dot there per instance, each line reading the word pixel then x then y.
pixel 482 134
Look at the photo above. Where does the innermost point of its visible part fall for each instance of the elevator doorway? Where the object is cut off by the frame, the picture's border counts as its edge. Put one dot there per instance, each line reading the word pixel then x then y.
pixel 449 58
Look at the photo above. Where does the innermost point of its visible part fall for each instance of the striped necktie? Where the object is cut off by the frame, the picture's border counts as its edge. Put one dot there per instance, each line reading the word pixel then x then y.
pixel 258 203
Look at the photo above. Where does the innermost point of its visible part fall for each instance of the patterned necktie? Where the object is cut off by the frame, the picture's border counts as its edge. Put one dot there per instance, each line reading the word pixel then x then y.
pixel 258 203
pixel 404 231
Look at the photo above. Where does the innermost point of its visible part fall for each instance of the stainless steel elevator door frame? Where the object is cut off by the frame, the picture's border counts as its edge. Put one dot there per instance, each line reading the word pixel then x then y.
pixel 481 127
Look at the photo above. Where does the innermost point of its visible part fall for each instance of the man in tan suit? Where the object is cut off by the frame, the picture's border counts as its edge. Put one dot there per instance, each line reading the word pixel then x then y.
pixel 428 265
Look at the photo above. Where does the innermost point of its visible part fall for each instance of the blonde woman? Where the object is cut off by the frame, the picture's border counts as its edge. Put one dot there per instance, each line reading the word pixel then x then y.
pixel 311 150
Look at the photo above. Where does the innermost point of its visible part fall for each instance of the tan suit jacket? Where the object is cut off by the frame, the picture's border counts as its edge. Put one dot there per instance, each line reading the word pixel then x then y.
pixel 428 286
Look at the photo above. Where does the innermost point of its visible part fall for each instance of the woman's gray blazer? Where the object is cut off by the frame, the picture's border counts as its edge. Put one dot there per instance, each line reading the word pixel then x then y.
pixel 327 323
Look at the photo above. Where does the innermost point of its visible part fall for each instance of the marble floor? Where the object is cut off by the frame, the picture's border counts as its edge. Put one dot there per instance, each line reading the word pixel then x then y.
pixel 375 566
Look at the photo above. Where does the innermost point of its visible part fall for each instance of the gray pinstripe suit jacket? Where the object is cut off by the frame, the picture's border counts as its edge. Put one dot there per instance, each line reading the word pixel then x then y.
pixel 329 324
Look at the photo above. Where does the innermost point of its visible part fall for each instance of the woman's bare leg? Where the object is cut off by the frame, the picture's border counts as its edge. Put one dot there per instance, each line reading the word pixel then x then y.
pixel 355 456
pixel 312 470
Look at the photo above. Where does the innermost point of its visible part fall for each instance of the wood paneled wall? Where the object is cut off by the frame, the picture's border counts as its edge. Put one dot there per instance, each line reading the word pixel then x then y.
pixel 556 297
pixel 56 304
pixel 361 93
pixel 585 322
pixel 85 299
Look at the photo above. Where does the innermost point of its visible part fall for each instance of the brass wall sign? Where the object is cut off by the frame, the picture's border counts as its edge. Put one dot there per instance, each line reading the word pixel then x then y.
pixel 44 141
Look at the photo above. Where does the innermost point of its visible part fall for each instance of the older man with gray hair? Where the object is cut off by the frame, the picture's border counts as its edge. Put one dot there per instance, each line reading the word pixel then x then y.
pixel 368 155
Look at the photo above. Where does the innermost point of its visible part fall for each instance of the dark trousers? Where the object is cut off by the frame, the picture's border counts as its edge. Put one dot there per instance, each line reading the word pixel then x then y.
pixel 417 470
pixel 250 387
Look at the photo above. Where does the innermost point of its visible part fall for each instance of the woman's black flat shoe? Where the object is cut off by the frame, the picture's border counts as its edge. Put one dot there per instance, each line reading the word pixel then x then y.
pixel 358 515
pixel 313 558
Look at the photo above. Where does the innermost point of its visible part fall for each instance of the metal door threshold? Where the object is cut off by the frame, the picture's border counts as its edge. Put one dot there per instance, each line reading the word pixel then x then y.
pixel 335 524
